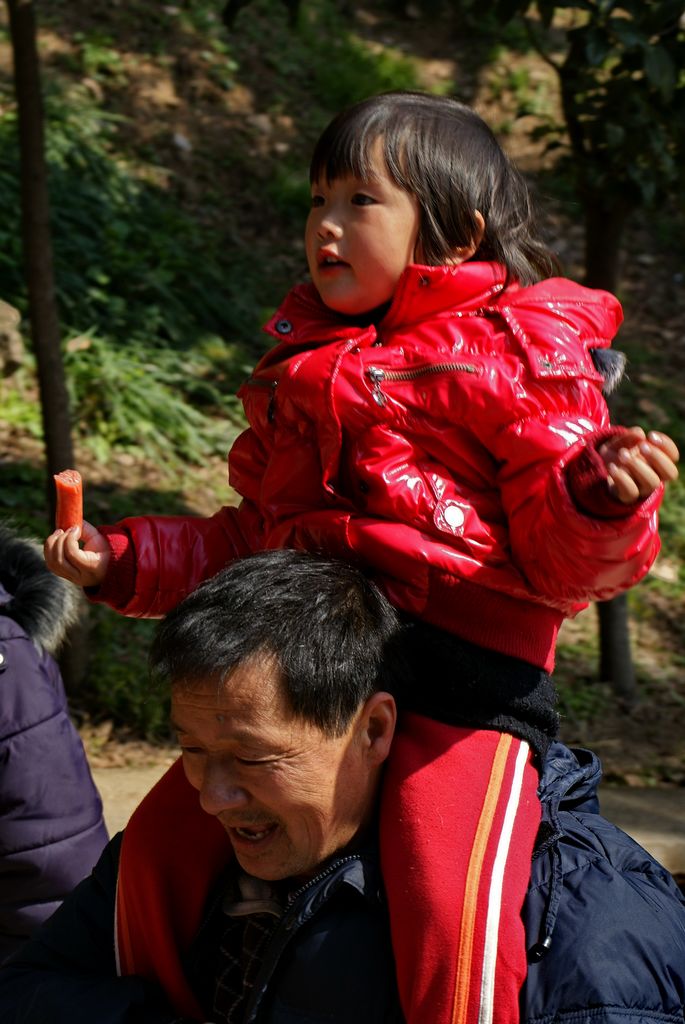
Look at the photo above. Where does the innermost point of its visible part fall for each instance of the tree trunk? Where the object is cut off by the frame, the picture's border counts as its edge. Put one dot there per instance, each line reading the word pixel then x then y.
pixel 603 236
pixel 615 660
pixel 604 227
pixel 37 245
pixel 38 263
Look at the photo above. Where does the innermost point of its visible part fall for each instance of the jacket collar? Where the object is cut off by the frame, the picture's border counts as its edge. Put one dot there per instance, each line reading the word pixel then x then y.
pixel 421 292
pixel 42 605
pixel 569 782
pixel 570 779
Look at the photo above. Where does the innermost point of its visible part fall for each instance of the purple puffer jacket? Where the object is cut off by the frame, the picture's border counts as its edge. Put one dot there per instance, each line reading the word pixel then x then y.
pixel 51 826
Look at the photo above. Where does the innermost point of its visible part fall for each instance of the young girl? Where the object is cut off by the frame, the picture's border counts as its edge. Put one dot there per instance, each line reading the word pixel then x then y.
pixel 433 413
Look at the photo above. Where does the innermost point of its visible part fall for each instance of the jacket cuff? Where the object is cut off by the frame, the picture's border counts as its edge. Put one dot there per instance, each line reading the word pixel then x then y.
pixel 118 586
pixel 588 481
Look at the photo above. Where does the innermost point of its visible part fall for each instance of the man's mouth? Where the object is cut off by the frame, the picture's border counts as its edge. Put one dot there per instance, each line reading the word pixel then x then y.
pixel 253 834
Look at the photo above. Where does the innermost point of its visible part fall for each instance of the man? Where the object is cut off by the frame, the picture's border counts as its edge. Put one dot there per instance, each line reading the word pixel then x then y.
pixel 246 888
pixel 279 669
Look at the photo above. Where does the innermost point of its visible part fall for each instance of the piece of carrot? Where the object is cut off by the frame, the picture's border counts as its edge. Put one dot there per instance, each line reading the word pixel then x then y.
pixel 69 499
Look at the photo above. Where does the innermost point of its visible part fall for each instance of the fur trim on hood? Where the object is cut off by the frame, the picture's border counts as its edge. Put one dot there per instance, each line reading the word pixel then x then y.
pixel 611 364
pixel 42 604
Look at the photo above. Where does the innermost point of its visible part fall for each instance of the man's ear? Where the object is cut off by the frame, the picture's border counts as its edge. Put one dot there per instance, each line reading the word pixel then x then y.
pixel 463 253
pixel 378 721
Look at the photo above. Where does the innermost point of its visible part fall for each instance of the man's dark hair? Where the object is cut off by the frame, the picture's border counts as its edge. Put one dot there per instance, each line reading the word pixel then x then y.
pixel 330 632
pixel 442 152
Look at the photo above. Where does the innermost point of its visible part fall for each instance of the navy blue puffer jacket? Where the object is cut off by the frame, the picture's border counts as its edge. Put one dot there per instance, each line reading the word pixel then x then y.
pixel 51 826
pixel 605 922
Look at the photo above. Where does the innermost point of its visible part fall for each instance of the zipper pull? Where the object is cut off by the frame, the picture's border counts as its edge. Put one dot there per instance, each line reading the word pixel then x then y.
pixel 377 376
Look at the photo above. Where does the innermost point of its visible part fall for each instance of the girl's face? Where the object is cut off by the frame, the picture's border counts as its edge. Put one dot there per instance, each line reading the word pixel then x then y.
pixel 360 236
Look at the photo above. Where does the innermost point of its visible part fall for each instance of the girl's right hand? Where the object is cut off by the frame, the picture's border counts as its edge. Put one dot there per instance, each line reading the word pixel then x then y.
pixel 85 566
pixel 638 463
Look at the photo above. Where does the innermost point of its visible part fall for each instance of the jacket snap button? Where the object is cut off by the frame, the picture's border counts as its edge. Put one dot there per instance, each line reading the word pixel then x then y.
pixel 284 326
pixel 454 517
pixel 3 662
pixel 424 282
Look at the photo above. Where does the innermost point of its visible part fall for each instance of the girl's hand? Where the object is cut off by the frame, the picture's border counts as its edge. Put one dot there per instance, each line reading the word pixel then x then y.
pixel 85 566
pixel 638 463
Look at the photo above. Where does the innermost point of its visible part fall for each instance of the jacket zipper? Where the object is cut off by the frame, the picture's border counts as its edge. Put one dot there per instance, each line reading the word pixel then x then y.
pixel 378 375
pixel 255 997
pixel 317 878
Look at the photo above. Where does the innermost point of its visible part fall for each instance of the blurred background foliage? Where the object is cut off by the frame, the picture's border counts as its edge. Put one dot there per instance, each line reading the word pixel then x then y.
pixel 178 155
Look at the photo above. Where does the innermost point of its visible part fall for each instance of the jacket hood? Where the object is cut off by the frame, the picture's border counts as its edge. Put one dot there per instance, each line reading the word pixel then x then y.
pixel 43 605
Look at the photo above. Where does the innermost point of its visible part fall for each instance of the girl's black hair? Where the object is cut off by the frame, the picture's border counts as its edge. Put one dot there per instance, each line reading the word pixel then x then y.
pixel 442 152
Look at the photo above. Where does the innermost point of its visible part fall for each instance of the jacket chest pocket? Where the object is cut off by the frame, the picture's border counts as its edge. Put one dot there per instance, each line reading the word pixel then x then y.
pixel 388 383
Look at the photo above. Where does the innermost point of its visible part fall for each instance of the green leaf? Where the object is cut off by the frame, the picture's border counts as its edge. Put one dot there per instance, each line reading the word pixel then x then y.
pixel 597 47
pixel 663 15
pixel 626 33
pixel 615 135
pixel 660 70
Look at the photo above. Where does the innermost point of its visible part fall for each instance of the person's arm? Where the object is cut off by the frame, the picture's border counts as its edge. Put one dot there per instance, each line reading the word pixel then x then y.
pixel 67 975
pixel 572 537
pixel 144 565
pixel 51 823
pixel 575 532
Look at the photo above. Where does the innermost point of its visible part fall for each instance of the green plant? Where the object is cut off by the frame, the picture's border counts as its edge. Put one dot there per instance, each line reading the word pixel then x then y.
pixel 349 69
pixel 621 88
pixel 130 263
pixel 117 686
pixel 147 400
pixel 672 520
pixel 583 700
pixel 580 696
pixel 23 497
pixel 19 408
pixel 98 57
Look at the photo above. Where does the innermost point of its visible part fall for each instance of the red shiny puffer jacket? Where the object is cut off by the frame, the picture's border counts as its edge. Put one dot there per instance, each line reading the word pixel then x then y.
pixel 450 448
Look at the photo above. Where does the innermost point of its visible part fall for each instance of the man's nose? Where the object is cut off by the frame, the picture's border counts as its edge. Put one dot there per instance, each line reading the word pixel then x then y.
pixel 219 789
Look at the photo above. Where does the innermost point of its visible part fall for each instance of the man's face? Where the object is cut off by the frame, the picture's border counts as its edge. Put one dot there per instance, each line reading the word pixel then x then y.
pixel 288 795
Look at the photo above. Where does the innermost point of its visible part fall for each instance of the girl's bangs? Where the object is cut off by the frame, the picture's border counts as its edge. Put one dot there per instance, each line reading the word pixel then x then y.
pixel 344 149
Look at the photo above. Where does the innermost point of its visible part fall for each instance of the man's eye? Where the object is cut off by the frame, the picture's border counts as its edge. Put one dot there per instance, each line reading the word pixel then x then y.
pixel 317 201
pixel 362 199
pixel 191 750
pixel 254 762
